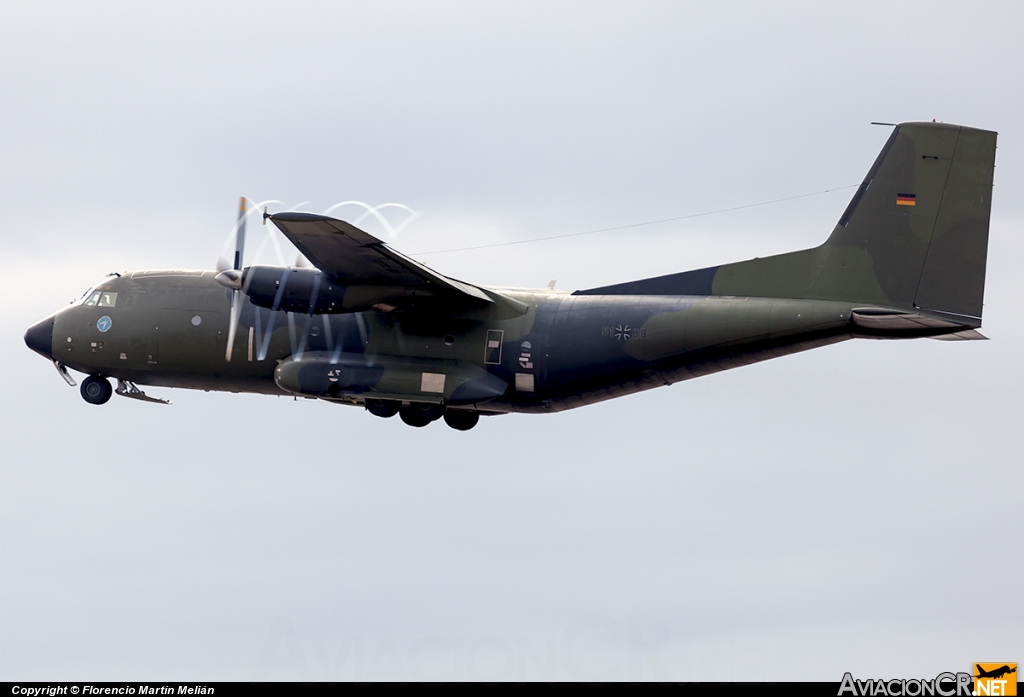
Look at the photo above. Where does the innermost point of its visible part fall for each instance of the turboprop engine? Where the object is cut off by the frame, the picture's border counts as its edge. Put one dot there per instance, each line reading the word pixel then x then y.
pixel 291 289
pixel 310 291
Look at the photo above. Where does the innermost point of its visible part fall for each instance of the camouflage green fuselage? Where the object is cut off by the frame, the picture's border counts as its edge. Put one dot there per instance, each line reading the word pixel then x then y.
pixel 170 329
pixel 906 259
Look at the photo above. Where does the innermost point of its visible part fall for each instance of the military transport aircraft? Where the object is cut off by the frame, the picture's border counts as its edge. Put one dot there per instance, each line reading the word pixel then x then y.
pixel 369 327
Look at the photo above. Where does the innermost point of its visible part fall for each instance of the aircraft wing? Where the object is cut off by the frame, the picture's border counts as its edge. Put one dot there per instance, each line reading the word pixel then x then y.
pixel 353 257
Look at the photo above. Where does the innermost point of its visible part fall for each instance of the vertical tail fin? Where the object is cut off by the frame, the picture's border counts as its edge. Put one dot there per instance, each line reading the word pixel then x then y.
pixel 914 236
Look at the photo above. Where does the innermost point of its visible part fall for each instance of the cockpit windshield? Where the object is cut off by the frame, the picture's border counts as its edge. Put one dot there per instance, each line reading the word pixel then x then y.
pixel 95 296
pixel 101 298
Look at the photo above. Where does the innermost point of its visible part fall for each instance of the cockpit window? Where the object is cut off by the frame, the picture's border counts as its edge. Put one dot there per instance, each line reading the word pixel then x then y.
pixel 107 299
pixel 92 300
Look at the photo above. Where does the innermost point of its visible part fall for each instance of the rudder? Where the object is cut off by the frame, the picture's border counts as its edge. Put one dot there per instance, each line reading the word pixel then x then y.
pixel 953 279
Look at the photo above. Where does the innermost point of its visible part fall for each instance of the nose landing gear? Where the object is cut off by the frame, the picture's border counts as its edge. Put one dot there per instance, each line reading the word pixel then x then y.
pixel 96 390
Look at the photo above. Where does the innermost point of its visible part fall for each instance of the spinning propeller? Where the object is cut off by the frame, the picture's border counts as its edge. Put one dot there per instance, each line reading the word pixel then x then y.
pixel 231 276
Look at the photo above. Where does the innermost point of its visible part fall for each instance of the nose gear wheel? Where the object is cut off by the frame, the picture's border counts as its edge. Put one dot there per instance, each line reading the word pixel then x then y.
pixel 96 390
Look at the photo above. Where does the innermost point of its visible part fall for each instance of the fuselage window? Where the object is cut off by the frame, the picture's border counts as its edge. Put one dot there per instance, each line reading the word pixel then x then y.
pixel 108 299
pixel 92 299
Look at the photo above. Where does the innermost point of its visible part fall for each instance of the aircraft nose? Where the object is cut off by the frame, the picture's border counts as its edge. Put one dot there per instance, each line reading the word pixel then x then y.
pixel 39 338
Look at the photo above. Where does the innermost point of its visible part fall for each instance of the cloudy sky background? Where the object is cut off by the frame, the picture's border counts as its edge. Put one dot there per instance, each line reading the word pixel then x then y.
pixel 852 508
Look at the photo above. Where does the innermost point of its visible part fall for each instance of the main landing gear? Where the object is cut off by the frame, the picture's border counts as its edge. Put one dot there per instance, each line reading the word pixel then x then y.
pixel 384 408
pixel 460 419
pixel 419 414
pixel 96 390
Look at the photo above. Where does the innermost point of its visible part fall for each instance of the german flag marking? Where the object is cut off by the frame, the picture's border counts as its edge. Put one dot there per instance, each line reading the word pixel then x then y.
pixel 906 199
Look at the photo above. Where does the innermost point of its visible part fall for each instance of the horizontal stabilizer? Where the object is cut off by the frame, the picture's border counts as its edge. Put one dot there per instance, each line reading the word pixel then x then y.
pixel 967 335
pixel 894 320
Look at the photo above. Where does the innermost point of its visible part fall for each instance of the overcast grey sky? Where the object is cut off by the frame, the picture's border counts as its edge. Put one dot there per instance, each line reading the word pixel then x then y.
pixel 852 508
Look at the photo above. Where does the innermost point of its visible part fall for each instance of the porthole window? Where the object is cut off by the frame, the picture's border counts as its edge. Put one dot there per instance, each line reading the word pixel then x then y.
pixel 196 320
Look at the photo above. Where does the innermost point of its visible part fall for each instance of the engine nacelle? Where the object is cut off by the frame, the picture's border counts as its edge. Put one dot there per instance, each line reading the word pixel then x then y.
pixel 301 290
pixel 310 291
